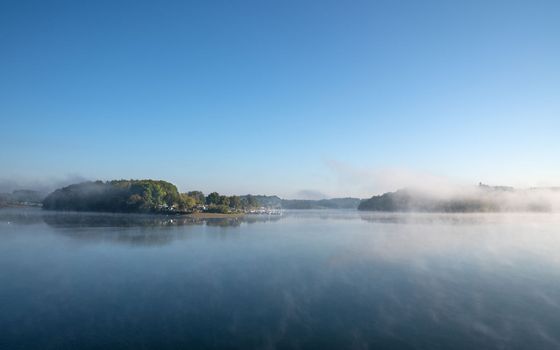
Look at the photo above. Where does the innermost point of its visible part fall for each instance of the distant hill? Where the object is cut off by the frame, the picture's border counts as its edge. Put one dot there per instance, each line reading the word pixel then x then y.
pixel 483 198
pixel 333 203
pixel 265 201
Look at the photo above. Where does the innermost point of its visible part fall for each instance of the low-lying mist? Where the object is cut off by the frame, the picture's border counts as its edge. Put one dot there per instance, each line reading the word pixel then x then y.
pixel 481 198
pixel 43 185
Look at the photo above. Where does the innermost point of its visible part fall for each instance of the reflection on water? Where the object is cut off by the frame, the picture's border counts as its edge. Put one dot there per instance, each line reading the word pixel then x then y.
pixel 83 226
pixel 308 279
pixel 27 216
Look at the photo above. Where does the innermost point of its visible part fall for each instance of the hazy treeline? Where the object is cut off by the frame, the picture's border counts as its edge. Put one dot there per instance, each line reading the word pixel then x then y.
pixel 333 203
pixel 21 197
pixel 482 198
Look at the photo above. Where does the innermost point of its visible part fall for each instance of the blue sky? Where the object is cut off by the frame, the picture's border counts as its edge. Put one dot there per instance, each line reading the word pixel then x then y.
pixel 287 97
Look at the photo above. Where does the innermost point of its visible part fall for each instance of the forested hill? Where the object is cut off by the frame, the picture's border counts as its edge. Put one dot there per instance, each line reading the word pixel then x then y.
pixel 125 196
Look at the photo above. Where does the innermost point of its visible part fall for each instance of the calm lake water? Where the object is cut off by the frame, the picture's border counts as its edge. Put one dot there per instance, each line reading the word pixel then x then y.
pixel 306 280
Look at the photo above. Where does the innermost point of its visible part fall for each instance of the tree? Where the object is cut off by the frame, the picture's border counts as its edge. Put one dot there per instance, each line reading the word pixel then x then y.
pixel 252 202
pixel 187 202
pixel 235 202
pixel 198 196
pixel 213 198
pixel 224 200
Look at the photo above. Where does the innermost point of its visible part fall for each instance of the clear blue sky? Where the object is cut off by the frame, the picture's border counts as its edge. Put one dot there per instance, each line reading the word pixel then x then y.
pixel 280 96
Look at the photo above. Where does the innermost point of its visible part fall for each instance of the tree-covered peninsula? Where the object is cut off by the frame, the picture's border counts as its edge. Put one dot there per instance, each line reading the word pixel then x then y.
pixel 119 196
pixel 142 196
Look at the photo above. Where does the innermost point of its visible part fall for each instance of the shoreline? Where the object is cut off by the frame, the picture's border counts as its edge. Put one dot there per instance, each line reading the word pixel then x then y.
pixel 195 215
pixel 213 215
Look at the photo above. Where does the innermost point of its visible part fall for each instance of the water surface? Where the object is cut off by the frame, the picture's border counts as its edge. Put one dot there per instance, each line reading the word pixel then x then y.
pixel 306 280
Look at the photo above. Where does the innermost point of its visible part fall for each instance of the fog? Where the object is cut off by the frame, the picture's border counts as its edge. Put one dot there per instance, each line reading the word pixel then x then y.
pixel 42 185
pixel 429 188
pixel 348 179
pixel 489 198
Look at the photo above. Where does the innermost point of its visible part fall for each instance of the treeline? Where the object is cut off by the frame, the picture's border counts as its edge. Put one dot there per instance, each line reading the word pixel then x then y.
pixel 21 197
pixel 481 199
pixel 217 203
pixel 141 196
pixel 332 203
pixel 410 201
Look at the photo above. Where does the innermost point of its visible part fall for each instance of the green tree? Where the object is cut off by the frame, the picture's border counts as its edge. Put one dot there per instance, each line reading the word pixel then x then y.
pixel 187 202
pixel 198 196
pixel 252 202
pixel 235 202
pixel 213 198
pixel 224 200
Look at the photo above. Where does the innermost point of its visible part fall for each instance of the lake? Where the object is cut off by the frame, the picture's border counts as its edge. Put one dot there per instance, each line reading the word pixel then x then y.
pixel 304 280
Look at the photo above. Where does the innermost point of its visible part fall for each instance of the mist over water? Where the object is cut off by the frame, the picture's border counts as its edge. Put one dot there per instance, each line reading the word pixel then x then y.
pixel 41 184
pixel 308 279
